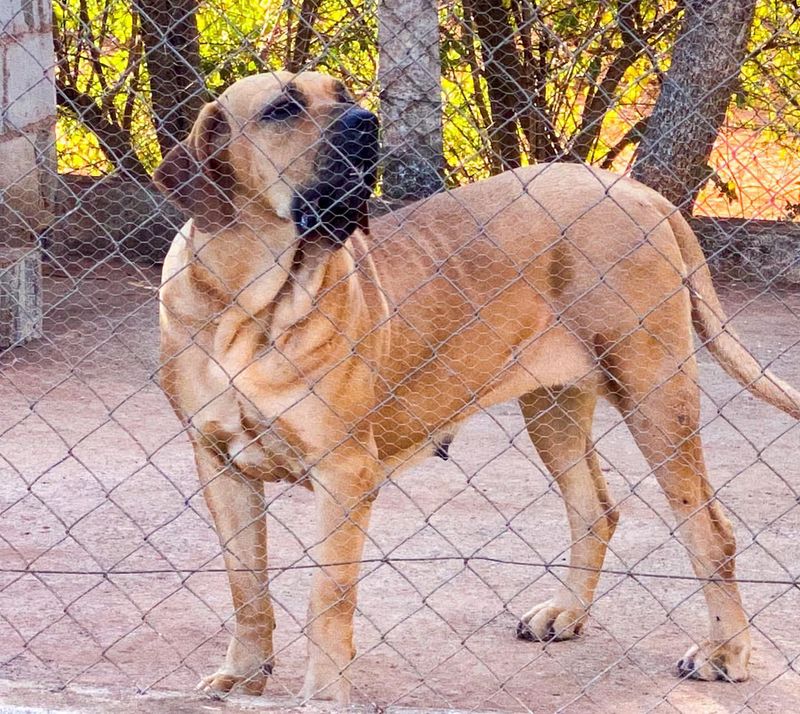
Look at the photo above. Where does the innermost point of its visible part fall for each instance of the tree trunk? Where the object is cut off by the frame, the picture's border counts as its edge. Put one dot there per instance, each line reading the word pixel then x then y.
pixel 303 36
pixel 503 74
pixel 536 119
pixel 169 32
pixel 409 74
pixel 706 61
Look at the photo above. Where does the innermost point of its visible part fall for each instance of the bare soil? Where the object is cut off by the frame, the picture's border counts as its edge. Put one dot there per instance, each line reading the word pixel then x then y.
pixel 110 574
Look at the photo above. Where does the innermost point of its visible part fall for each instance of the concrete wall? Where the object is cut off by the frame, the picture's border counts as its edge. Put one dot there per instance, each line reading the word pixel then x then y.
pixel 27 161
pixel 751 250
pixel 101 217
pixel 109 216
pixel 27 119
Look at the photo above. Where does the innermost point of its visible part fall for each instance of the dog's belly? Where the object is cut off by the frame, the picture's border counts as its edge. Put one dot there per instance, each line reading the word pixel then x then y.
pixel 429 407
pixel 273 431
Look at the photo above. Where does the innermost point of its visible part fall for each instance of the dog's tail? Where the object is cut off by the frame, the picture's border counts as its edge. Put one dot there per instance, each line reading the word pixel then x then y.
pixel 713 329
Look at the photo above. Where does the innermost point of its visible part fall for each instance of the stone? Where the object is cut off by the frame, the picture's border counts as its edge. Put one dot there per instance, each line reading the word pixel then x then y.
pixel 20 296
pixel 19 16
pixel 27 158
pixel 25 203
pixel 30 90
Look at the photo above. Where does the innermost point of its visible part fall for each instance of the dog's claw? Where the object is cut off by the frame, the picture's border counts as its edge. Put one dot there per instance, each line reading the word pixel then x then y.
pixel 551 622
pixel 220 683
pixel 524 632
pixel 684 670
pixel 723 664
pixel 206 687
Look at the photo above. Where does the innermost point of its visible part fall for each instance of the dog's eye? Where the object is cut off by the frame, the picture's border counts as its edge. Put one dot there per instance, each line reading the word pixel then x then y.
pixel 342 95
pixel 284 108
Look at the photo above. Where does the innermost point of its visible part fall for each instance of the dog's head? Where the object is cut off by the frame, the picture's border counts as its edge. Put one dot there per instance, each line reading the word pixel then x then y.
pixel 294 146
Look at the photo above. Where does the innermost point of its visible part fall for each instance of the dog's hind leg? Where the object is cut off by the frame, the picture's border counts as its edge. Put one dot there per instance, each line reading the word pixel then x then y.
pixel 345 485
pixel 236 503
pixel 559 423
pixel 652 381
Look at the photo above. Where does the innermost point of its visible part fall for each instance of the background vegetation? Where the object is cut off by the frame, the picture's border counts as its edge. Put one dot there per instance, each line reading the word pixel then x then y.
pixel 521 82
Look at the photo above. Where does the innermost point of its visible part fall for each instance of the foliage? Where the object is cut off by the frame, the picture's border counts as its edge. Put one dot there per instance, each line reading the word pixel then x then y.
pixel 588 74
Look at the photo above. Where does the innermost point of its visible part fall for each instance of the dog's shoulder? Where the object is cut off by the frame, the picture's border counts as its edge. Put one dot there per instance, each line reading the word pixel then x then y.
pixel 172 290
pixel 177 255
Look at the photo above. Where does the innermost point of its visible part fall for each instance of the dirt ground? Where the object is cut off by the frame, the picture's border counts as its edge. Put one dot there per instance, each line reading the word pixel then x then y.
pixel 110 574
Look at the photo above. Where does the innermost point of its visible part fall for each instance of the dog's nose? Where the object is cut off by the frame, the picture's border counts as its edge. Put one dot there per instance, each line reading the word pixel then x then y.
pixel 355 140
pixel 360 120
pixel 359 133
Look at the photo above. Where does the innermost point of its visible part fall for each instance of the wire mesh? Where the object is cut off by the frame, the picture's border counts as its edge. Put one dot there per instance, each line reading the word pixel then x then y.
pixel 390 355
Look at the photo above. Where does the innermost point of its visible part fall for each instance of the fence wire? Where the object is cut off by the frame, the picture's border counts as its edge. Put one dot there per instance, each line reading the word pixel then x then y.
pixel 337 428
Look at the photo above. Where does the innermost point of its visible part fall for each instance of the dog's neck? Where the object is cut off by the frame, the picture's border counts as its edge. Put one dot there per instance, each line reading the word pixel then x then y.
pixel 263 269
pixel 245 263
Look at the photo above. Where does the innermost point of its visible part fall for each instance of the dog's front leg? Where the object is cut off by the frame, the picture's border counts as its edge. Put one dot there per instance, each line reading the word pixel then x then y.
pixel 344 486
pixel 237 505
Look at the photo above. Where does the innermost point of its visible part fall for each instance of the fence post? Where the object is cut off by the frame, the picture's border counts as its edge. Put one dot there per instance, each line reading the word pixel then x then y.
pixel 27 158
pixel 409 73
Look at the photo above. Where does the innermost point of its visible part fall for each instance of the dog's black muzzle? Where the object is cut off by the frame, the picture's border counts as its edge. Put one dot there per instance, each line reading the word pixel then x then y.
pixel 336 204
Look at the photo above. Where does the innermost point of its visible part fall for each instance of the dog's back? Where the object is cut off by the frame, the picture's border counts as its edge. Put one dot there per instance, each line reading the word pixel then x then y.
pixel 499 283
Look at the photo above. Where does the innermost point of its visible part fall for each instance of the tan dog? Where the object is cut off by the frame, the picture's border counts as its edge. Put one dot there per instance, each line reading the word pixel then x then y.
pixel 299 345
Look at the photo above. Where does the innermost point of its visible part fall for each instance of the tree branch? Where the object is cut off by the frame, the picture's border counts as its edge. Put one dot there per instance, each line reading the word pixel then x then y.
pixel 602 97
pixel 115 141
pixel 633 135
pixel 304 36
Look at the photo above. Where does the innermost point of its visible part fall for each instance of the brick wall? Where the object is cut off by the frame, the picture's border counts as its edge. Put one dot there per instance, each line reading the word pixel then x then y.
pixel 27 162
pixel 752 250
pixel 27 119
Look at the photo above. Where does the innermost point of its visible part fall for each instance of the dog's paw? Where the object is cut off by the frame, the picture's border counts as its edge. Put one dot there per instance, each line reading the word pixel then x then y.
pixel 324 681
pixel 709 661
pixel 550 622
pixel 223 681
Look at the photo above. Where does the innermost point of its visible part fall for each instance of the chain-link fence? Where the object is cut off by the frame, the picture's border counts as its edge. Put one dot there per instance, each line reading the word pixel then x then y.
pixel 427 304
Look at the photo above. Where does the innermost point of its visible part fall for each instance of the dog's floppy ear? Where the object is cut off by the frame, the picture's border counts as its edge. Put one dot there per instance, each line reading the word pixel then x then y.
pixel 196 175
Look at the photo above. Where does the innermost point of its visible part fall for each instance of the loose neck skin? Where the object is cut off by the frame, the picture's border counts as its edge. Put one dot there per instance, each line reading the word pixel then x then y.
pixel 248 260
pixel 255 261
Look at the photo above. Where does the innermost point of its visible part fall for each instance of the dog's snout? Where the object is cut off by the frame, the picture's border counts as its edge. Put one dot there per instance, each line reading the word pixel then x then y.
pixel 360 120
pixel 357 135
pixel 353 143
pixel 347 167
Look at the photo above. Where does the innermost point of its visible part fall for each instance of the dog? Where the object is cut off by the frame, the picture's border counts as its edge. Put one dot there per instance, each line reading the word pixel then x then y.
pixel 303 341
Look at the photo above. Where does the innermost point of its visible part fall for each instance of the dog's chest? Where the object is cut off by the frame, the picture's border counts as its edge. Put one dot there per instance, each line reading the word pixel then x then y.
pixel 247 398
